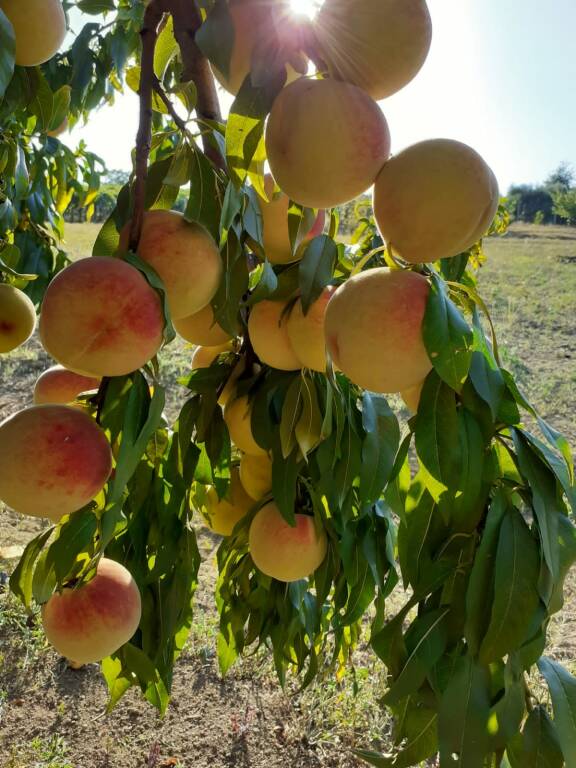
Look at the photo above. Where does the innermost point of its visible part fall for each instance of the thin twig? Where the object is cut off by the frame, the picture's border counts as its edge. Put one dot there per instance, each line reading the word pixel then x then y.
pixel 149 35
pixel 157 85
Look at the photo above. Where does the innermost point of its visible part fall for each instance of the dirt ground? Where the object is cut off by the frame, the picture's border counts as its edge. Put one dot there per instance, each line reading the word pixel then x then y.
pixel 53 717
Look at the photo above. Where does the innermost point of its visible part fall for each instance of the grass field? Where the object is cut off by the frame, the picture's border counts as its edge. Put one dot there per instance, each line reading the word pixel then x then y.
pixel 52 717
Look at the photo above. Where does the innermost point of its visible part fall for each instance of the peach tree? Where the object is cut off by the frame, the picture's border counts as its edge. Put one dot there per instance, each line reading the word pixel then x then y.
pixel 286 442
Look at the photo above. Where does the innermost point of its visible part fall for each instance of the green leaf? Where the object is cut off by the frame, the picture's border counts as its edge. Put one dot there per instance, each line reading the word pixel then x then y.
pixel 7 52
pixel 420 740
pixel 538 745
pixel 165 50
pixel 215 38
pixel 447 336
pixel 74 536
pixel 95 7
pixel 284 477
pixel 379 446
pixel 425 642
pixel 206 195
pixel 437 437
pixel 291 412
pixel 567 557
pixel 516 598
pixel 562 686
pixel 316 269
pixel 308 431
pixel 480 594
pixel 544 498
pixel 21 578
pixel 463 717
pixel 245 150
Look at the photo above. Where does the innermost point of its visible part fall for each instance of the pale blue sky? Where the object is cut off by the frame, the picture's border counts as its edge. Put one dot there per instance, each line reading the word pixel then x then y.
pixel 501 76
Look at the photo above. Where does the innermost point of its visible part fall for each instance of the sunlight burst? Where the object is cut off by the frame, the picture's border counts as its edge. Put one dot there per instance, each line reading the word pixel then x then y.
pixel 305 7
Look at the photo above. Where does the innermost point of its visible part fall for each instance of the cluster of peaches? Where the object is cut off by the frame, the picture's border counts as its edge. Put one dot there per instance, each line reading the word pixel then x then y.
pixel 327 141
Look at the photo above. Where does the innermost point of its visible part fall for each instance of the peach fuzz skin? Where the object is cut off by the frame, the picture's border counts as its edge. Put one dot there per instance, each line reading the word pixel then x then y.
pixel 89 623
pixel 185 257
pixel 237 414
pixel 269 336
pixel 201 329
pixel 100 317
pixel 222 515
pixel 306 332
pixel 39 27
pixel 60 386
pixel 373 329
pixel 326 142
pixel 53 460
pixel 284 552
pixel 276 237
pixel 17 317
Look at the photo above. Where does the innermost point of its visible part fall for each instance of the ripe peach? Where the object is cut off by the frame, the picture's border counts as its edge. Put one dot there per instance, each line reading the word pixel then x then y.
pixel 60 386
pixel 201 328
pixel 411 397
pixel 379 45
pixel 256 475
pixel 203 357
pixel 276 239
pixel 100 317
pixel 269 336
pixel 250 20
pixel 92 622
pixel 434 200
pixel 282 552
pixel 237 415
pixel 326 142
pixel 221 515
pixel 185 257
pixel 53 460
pixel 39 26
pixel 306 332
pixel 373 329
pixel 17 317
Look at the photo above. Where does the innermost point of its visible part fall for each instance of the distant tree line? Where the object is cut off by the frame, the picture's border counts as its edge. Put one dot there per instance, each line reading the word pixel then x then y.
pixel 553 202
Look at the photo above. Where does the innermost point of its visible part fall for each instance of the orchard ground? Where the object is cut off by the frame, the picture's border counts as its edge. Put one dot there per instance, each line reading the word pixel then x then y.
pixel 53 717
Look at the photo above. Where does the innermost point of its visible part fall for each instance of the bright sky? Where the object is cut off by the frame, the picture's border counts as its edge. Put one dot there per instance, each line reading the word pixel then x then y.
pixel 500 76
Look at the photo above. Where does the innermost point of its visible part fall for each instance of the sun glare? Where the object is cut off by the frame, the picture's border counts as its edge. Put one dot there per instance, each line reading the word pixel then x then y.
pixel 305 7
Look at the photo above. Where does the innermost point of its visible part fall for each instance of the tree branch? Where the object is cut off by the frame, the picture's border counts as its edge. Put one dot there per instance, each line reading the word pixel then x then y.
pixel 149 35
pixel 169 106
pixel 187 21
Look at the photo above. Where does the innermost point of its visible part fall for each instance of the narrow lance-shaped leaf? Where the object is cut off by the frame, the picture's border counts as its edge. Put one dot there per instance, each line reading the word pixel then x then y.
pixel 7 52
pixel 562 686
pixel 447 336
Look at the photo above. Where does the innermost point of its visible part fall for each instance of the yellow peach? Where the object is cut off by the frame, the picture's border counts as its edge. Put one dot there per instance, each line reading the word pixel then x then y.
pixel 39 26
pixel 256 475
pixel 60 386
pixel 306 332
pixel 222 515
pixel 17 317
pixel 201 328
pixel 237 415
pixel 269 335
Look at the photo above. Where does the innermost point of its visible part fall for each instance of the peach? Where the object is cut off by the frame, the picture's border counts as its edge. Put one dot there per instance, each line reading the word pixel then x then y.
pixel 281 551
pixel 100 317
pixel 379 45
pixel 93 621
pixel 185 257
pixel 276 237
pixel 59 386
pixel 39 26
pixel 250 20
pixel 237 415
pixel 201 328
pixel 256 475
pixel 434 199
pixel 326 142
pixel 53 460
pixel 269 336
pixel 203 357
pixel 306 332
pixel 222 515
pixel 373 329
pixel 17 317
pixel 411 397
